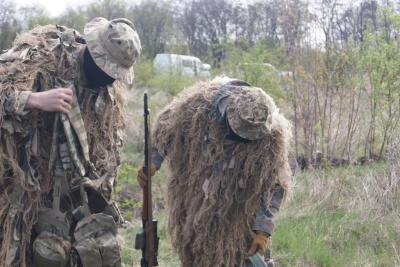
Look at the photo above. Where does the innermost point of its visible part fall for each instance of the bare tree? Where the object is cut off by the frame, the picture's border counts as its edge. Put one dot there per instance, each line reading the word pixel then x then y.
pixel 34 15
pixel 353 22
pixel 153 20
pixel 207 24
pixel 293 22
pixel 8 23
pixel 78 15
pixel 262 22
pixel 74 17
pixel 109 9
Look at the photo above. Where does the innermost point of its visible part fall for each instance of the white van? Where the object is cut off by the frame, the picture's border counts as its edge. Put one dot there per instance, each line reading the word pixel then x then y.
pixel 181 64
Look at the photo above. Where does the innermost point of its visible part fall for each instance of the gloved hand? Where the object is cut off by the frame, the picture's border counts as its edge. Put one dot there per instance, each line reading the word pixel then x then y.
pixel 260 243
pixel 141 176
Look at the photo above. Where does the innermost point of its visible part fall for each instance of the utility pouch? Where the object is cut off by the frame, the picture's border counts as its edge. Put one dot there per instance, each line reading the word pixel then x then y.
pixel 96 243
pixel 52 221
pixel 52 245
pixel 50 250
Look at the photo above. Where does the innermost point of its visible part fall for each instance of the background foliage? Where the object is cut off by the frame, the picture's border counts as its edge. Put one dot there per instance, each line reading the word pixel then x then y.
pixel 334 64
pixel 333 69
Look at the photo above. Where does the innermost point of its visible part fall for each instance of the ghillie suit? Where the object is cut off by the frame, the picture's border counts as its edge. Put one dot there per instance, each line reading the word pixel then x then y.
pixel 38 61
pixel 215 184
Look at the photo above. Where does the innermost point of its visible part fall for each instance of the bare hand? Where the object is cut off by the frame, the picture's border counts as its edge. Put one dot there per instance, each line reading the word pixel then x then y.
pixel 55 100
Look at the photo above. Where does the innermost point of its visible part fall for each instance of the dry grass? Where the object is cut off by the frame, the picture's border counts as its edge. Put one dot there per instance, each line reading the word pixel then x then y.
pixel 342 217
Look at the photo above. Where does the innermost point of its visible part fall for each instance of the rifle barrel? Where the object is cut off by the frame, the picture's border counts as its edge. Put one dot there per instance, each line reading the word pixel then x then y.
pixel 147 209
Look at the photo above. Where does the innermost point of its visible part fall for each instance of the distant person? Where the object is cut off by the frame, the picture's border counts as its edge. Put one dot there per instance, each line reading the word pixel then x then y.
pixel 226 146
pixel 62 118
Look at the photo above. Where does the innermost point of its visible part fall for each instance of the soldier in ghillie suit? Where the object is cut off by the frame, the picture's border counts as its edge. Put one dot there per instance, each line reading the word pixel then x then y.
pixel 61 121
pixel 226 146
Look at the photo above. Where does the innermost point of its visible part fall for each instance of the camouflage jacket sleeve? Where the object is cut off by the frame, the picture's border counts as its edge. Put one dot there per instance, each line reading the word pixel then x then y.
pixel 15 101
pixel 266 217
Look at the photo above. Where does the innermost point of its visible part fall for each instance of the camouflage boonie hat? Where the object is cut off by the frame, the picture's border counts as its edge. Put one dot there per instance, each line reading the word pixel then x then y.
pixel 248 113
pixel 221 96
pixel 114 46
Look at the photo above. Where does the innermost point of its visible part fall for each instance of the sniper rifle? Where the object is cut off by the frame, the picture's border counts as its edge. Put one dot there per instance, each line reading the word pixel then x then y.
pixel 147 239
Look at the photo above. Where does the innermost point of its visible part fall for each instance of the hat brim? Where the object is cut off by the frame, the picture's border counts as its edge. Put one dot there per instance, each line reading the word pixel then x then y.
pixel 249 133
pixel 100 55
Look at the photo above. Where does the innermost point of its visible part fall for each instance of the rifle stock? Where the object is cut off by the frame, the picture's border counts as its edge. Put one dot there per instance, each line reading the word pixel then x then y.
pixel 147 239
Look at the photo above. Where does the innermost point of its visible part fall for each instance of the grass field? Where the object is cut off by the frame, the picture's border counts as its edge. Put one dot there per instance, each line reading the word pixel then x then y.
pixel 349 216
pixel 341 217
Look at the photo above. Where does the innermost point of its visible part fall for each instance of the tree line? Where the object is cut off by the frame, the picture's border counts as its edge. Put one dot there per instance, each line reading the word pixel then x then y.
pixel 338 62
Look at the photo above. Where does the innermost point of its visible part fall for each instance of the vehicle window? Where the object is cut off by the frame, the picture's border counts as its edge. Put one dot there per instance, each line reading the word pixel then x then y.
pixel 187 63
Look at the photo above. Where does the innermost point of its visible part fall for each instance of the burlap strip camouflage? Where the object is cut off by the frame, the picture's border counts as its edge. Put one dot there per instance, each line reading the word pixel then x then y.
pixel 37 57
pixel 215 185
